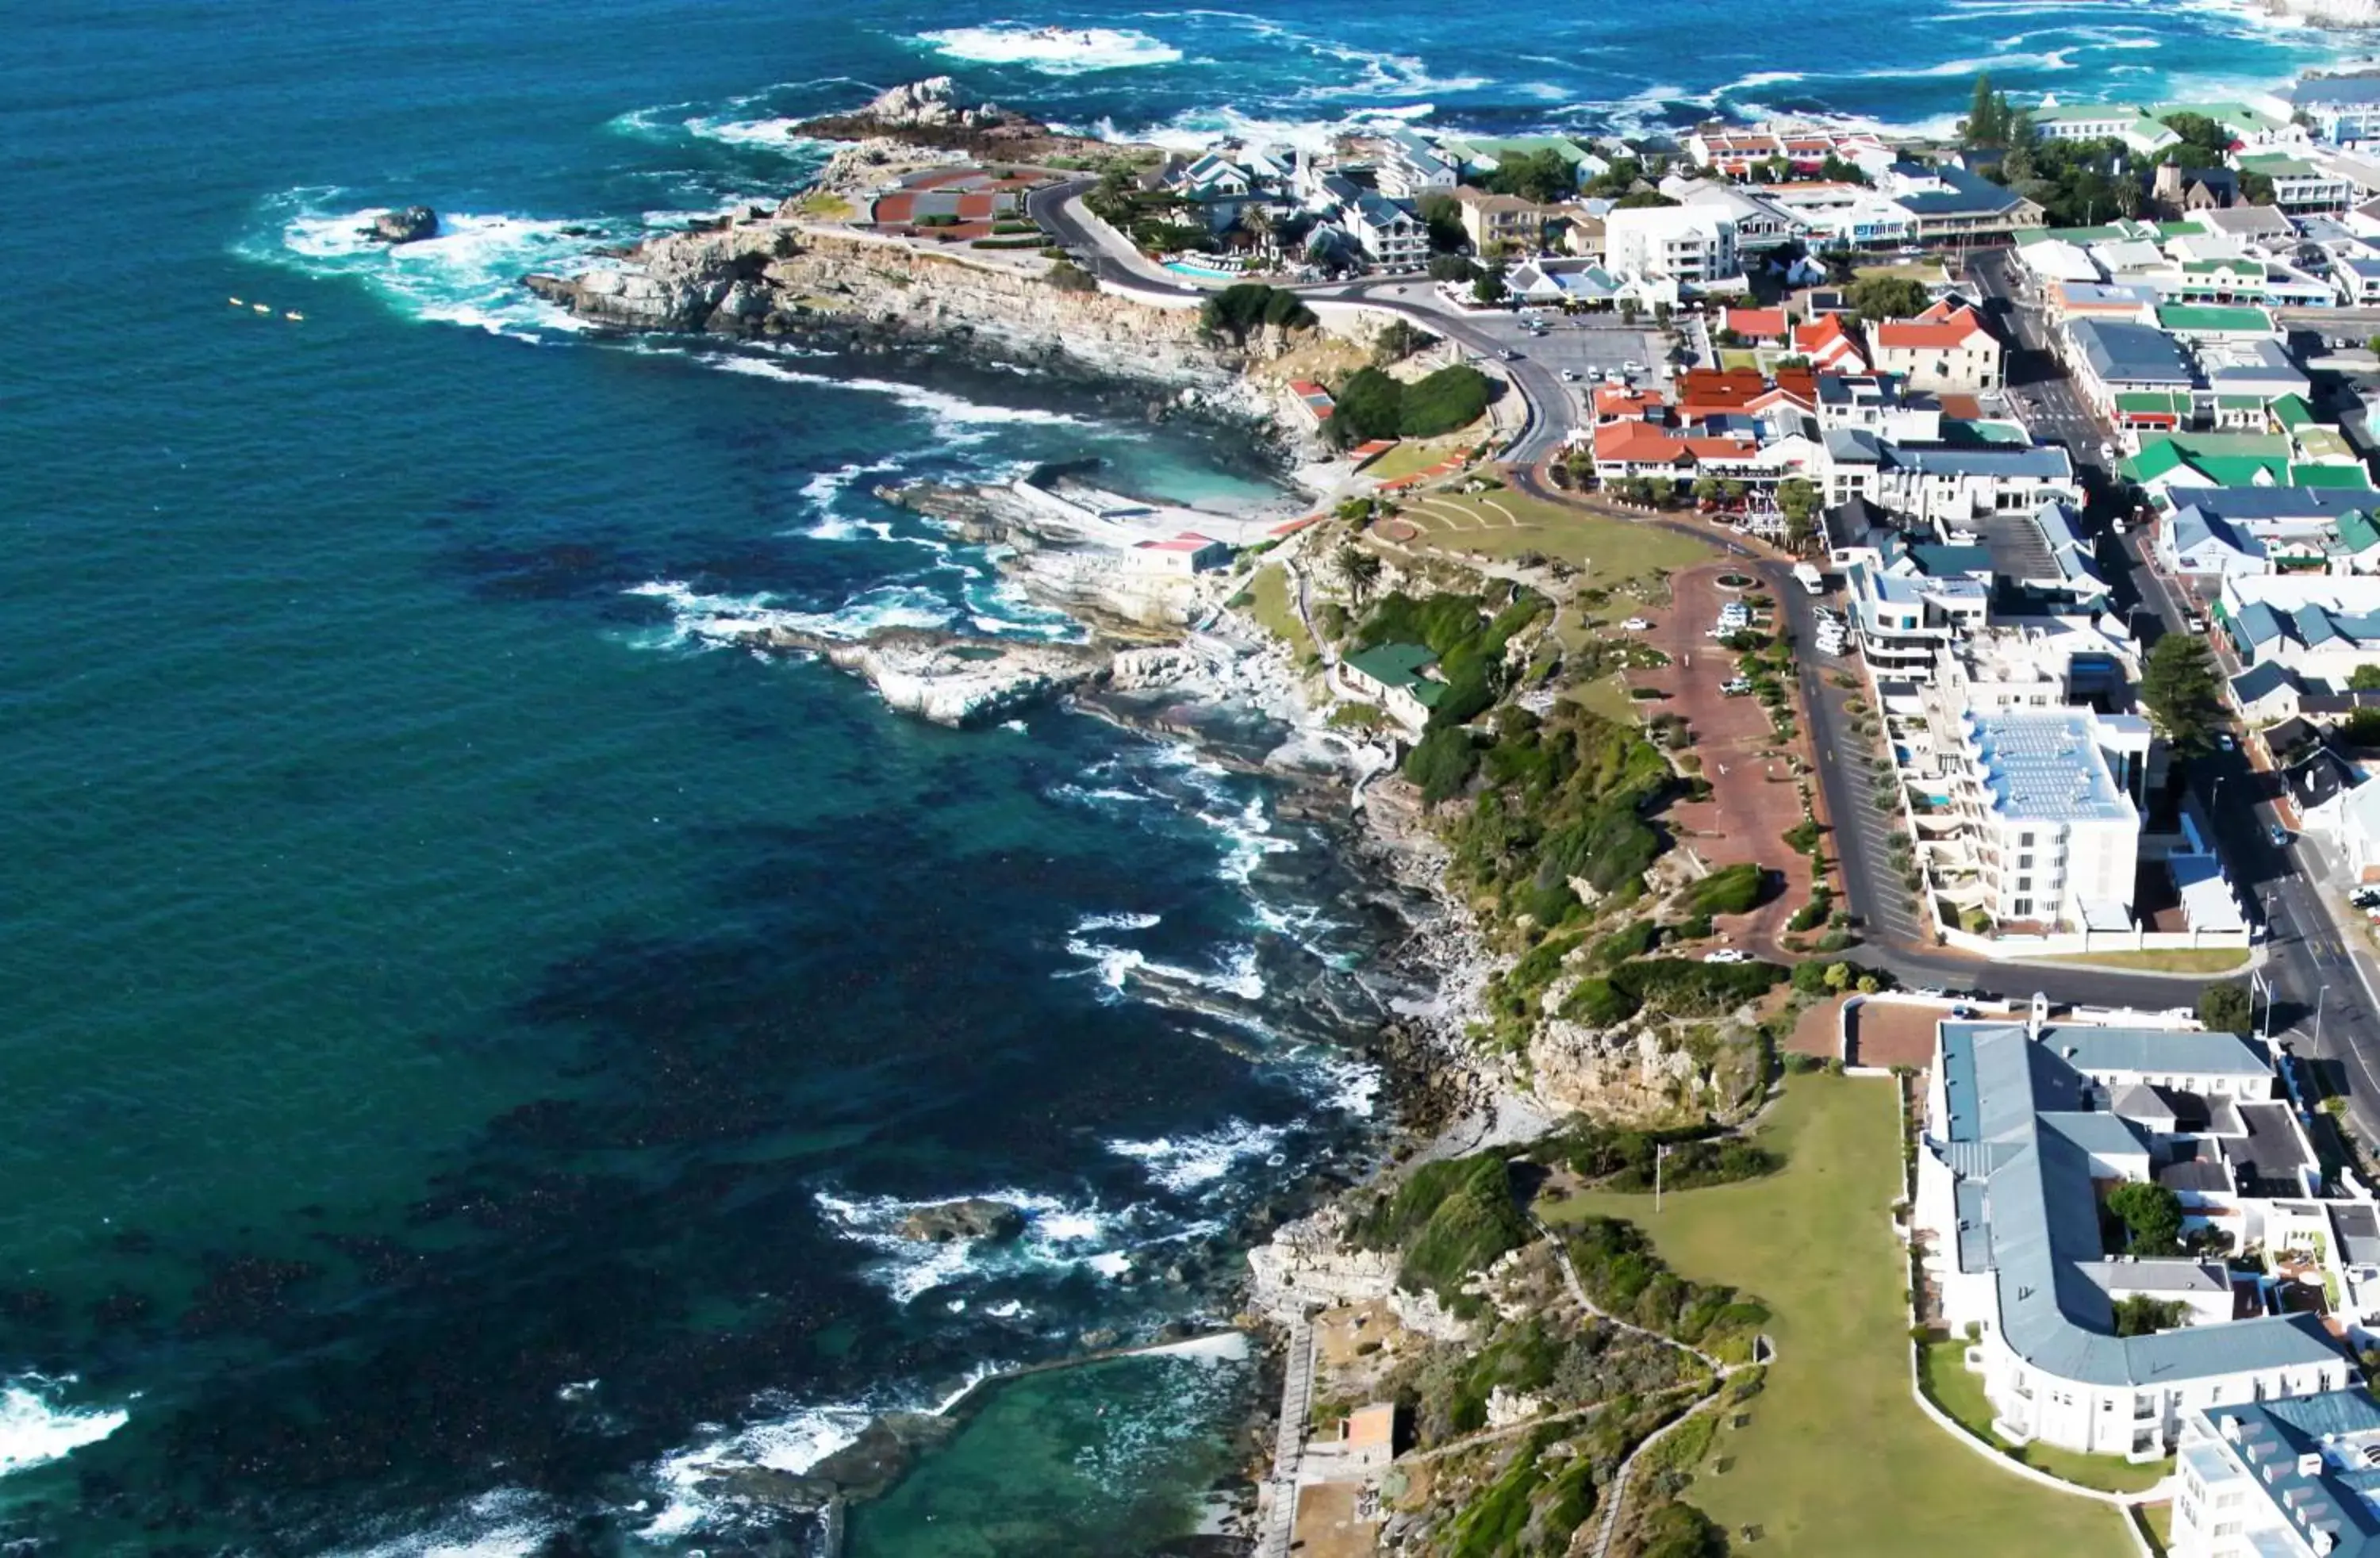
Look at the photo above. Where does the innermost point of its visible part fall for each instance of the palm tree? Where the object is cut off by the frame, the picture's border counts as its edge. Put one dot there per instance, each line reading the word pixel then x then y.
pixel 1360 568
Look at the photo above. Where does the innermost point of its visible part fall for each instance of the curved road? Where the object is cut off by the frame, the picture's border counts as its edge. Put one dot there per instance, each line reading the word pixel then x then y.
pixel 1102 251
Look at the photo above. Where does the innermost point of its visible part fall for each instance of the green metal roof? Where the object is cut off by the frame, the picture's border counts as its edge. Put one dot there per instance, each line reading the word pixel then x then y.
pixel 2215 318
pixel 2241 402
pixel 2345 478
pixel 2292 412
pixel 2357 533
pixel 1399 665
pixel 2276 166
pixel 2165 402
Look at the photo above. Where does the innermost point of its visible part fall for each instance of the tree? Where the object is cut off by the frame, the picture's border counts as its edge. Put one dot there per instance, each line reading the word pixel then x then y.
pixel 1488 289
pixel 2365 678
pixel 1543 177
pixel 1359 567
pixel 1834 170
pixel 2257 189
pixel 1797 499
pixel 1630 309
pixel 2361 727
pixel 1877 298
pixel 1985 123
pixel 2180 686
pixel 2152 1217
pixel 1451 267
pixel 1706 490
pixel 2140 1315
pixel 2225 1008
pixel 1662 491
pixel 1639 199
pixel 2204 142
pixel 1443 217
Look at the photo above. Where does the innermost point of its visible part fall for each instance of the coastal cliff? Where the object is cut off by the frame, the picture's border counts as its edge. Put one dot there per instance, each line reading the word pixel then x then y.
pixel 780 277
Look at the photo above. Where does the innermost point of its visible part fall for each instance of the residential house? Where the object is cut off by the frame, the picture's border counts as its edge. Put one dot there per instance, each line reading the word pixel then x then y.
pixel 2314 458
pixel 2218 531
pixel 2181 190
pixel 1878 404
pixel 1830 346
pixel 2124 303
pixel 2343 110
pixel 1832 214
pixel 1691 246
pixel 2323 626
pixel 1411 167
pixel 2023 1125
pixel 1753 327
pixel 1401 677
pixel 1911 600
pixel 1392 236
pixel 1945 349
pixel 1944 484
pixel 1760 224
pixel 1501 223
pixel 2298 184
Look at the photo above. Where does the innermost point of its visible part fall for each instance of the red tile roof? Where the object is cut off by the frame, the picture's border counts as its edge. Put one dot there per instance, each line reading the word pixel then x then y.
pixel 1935 330
pixel 1761 324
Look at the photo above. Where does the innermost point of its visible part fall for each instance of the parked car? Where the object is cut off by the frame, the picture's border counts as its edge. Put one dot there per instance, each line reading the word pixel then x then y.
pixel 1727 955
pixel 1635 624
pixel 1735 687
pixel 2194 622
pixel 1570 375
pixel 2223 739
pixel 2278 834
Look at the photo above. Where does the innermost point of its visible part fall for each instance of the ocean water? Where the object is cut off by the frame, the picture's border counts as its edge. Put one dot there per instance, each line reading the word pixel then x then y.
pixel 472 1033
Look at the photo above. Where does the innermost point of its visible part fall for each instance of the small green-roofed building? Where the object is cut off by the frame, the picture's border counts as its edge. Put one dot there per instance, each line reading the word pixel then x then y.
pixel 2356 531
pixel 2212 318
pixel 2170 407
pixel 1395 674
pixel 1495 148
pixel 2323 445
pixel 2223 459
pixel 2341 477
pixel 2292 412
pixel 2276 165
pixel 2239 118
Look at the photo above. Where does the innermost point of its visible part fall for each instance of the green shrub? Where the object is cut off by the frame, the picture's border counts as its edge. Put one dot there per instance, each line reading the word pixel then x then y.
pixel 1448 1220
pixel 1632 940
pixel 1730 890
pixel 1441 763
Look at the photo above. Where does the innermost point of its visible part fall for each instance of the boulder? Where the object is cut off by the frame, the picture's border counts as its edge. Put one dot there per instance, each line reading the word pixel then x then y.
pixel 974 1218
pixel 933 101
pixel 409 225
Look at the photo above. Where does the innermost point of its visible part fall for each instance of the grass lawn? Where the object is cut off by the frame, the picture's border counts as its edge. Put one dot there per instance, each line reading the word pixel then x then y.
pixel 1604 697
pixel 821 207
pixel 1961 1394
pixel 1270 603
pixel 1415 453
pixel 2157 1520
pixel 1609 550
pixel 1836 1458
pixel 1928 271
pixel 1738 356
pixel 2182 960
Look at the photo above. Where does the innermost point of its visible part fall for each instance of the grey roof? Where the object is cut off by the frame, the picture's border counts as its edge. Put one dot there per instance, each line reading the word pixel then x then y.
pixel 2238 505
pixel 2194 526
pixel 2046 460
pixel 1967 192
pixel 2195 1166
pixel 1851 444
pixel 2120 352
pixel 2157 1276
pixel 2342 90
pixel 2042 1216
pixel 2359 1231
pixel 2262 680
pixel 2273 1146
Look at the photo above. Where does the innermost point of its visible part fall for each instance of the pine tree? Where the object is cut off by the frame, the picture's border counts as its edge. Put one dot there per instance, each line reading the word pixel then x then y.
pixel 1982 127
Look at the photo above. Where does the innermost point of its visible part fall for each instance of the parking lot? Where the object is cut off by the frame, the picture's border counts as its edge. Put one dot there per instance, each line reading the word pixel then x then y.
pixel 1588 345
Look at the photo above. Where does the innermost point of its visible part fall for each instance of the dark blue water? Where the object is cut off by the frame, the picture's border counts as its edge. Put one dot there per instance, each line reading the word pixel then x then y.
pixel 469 1040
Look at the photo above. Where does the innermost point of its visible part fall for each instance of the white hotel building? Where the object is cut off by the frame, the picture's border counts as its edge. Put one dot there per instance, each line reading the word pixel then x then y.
pixel 2027 1125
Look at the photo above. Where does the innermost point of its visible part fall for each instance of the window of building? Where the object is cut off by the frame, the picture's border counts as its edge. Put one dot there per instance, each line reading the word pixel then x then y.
pixel 2024 862
pixel 2021 908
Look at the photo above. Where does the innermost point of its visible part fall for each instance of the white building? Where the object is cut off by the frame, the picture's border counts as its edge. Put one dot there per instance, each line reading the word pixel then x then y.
pixel 1411 167
pixel 2024 1124
pixel 1692 246
pixel 2288 1478
pixel 1393 238
pixel 1946 349
pixel 2030 815
pixel 2325 626
pixel 1947 485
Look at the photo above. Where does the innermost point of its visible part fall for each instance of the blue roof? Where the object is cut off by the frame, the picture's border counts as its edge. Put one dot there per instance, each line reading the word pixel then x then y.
pixel 2343 91
pixel 2120 352
pixel 2046 460
pixel 2236 504
pixel 2257 623
pixel 1967 191
pixel 2273 1435
pixel 2029 1099
pixel 2262 680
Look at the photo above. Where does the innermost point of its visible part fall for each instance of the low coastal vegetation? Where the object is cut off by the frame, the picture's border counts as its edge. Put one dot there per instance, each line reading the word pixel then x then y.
pixel 1372 404
pixel 1448 1220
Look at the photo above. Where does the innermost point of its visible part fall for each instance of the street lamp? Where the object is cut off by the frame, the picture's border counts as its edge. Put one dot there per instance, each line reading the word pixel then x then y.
pixel 1660 1152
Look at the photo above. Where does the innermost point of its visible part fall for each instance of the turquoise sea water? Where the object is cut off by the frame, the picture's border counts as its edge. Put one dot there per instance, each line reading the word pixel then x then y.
pixel 470 1038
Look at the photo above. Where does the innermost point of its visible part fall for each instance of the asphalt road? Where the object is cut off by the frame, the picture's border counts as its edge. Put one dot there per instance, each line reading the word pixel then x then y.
pixel 2323 1002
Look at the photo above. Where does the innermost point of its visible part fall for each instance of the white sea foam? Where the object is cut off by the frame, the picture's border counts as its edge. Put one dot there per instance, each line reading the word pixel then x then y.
pixel 37 1427
pixel 697 618
pixel 1019 726
pixel 1115 967
pixel 1091 923
pixel 1197 128
pixel 468 275
pixel 1057 1234
pixel 1186 1162
pixel 502 1523
pixel 794 1443
pixel 956 420
pixel 1054 51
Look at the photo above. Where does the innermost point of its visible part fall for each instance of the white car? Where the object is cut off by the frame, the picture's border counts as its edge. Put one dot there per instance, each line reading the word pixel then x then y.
pixel 1631 368
pixel 1635 624
pixel 1570 375
pixel 1727 955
